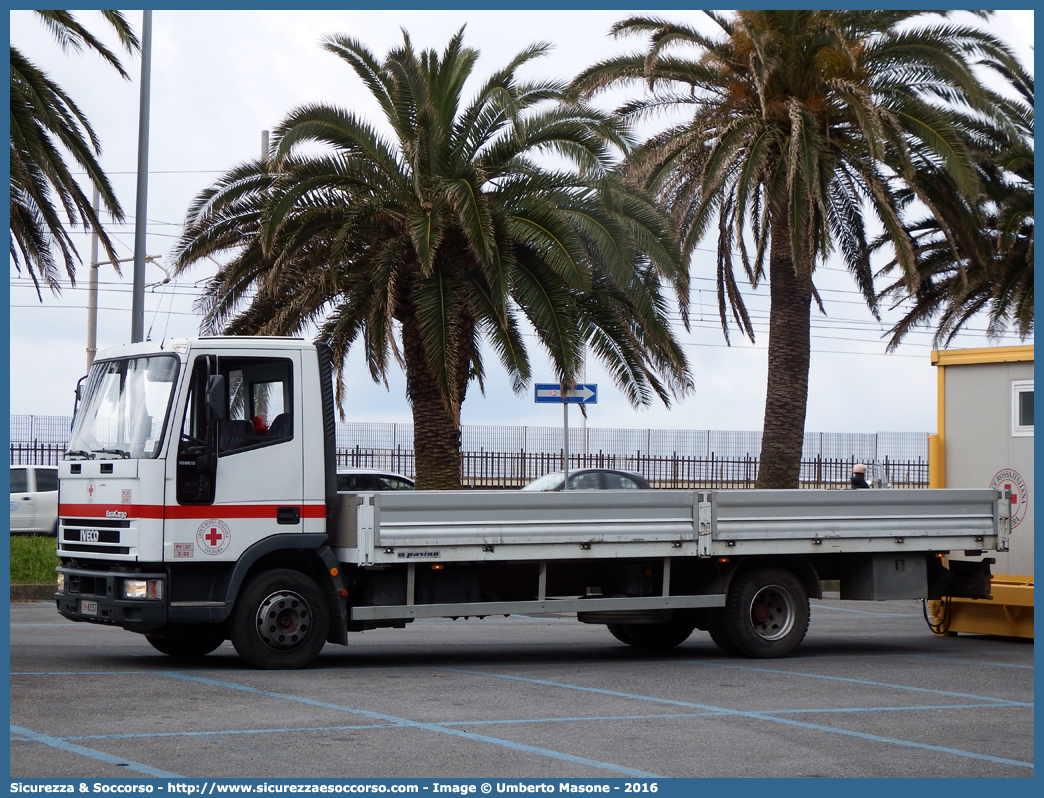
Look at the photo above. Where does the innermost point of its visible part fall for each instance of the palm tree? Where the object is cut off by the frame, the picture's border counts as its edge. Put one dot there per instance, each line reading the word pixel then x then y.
pixel 796 126
pixel 45 121
pixel 444 234
pixel 981 260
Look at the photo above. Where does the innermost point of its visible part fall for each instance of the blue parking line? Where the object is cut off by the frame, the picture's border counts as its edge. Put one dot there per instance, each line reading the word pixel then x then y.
pixel 55 742
pixel 843 710
pixel 221 733
pixel 513 721
pixel 756 716
pixel 849 680
pixel 676 715
pixel 403 722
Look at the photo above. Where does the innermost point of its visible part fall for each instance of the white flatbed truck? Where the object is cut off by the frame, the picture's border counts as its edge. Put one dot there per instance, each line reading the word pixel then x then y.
pixel 198 503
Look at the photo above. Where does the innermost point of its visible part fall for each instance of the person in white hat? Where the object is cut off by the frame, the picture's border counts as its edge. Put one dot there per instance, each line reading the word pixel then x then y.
pixel 859 476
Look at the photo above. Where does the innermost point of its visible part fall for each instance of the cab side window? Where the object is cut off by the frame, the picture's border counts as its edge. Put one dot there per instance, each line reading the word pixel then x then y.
pixel 260 411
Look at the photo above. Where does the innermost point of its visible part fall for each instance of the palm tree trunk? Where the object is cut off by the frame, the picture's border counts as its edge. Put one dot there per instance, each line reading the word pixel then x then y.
pixel 436 434
pixel 789 349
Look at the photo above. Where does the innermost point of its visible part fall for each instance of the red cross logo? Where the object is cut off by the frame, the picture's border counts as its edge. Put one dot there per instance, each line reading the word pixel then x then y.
pixel 90 491
pixel 1014 495
pixel 213 536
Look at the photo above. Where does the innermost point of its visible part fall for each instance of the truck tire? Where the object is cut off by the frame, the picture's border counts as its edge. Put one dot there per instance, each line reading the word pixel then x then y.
pixel 715 619
pixel 766 613
pixel 188 643
pixel 280 621
pixel 617 630
pixel 653 636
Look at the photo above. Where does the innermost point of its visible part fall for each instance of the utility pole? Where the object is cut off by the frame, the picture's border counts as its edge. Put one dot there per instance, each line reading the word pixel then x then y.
pixel 141 207
pixel 565 442
pixel 92 292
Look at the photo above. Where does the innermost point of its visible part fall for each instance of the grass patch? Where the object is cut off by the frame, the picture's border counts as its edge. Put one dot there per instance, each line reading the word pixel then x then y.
pixel 33 559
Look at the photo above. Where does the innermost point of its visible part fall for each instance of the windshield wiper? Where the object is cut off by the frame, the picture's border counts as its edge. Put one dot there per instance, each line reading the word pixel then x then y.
pixel 81 453
pixel 120 452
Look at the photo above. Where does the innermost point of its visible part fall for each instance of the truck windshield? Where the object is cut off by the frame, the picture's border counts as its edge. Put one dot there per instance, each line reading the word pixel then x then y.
pixel 124 408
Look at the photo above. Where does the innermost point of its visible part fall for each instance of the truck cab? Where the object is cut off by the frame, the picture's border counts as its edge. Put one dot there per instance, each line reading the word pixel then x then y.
pixel 187 471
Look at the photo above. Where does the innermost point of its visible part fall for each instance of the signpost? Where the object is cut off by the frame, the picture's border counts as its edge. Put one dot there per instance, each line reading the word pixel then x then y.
pixel 577 395
pixel 555 393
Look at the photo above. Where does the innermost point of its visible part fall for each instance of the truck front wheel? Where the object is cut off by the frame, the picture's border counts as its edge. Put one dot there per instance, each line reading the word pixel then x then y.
pixel 189 642
pixel 280 621
pixel 766 613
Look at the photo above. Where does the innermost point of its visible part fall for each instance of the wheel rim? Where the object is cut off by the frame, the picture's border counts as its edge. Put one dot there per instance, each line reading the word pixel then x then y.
pixel 772 612
pixel 283 620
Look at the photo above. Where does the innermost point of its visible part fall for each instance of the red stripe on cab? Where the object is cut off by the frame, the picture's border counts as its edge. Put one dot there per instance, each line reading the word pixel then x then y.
pixel 137 511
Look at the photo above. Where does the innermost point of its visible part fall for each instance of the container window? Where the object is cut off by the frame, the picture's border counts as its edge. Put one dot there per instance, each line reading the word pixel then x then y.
pixel 1022 408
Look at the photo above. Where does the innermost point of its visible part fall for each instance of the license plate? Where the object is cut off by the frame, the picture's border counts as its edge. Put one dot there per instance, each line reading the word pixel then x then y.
pixel 88 607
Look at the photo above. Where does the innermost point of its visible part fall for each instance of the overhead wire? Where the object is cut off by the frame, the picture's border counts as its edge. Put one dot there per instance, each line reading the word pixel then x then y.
pixel 821 324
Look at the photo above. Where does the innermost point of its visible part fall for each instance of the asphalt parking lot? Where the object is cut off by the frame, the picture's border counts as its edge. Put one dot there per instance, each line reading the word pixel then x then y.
pixel 870 693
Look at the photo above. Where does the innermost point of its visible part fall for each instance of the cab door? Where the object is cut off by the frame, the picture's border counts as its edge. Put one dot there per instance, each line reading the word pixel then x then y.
pixel 256 486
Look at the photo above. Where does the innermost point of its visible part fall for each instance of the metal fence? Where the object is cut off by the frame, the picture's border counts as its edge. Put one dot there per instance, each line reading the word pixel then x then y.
pixel 40 429
pixel 36 453
pixel 875 446
pixel 509 457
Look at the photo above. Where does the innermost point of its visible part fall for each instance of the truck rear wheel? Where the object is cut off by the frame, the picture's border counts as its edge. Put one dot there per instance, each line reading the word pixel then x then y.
pixel 655 636
pixel 191 642
pixel 766 613
pixel 280 621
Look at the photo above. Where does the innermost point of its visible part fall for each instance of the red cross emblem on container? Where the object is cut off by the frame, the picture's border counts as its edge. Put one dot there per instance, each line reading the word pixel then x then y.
pixel 1011 480
pixel 213 536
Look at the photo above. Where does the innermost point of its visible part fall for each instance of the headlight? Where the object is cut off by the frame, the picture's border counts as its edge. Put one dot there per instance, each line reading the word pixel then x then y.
pixel 61 583
pixel 148 589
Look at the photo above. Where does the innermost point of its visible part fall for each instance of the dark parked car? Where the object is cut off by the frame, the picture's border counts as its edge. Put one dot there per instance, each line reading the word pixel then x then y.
pixel 590 479
pixel 361 480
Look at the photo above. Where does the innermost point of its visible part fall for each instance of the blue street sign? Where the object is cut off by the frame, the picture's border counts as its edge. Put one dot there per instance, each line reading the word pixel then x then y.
pixel 552 393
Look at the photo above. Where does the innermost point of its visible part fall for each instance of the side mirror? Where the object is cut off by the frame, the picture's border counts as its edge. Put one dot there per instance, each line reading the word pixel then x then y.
pixel 79 395
pixel 217 406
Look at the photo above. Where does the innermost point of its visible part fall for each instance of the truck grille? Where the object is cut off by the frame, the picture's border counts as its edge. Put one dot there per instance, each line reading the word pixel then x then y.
pixel 95 549
pixel 91 535
pixel 96 523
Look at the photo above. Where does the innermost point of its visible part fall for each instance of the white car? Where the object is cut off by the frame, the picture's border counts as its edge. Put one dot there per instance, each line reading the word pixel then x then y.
pixel 34 500
pixel 590 479
pixel 363 480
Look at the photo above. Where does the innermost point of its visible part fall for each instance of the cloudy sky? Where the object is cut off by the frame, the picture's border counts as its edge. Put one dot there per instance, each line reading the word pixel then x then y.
pixel 220 78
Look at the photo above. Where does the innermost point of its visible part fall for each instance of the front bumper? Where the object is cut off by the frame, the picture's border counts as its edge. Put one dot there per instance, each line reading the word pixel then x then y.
pixel 93 596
